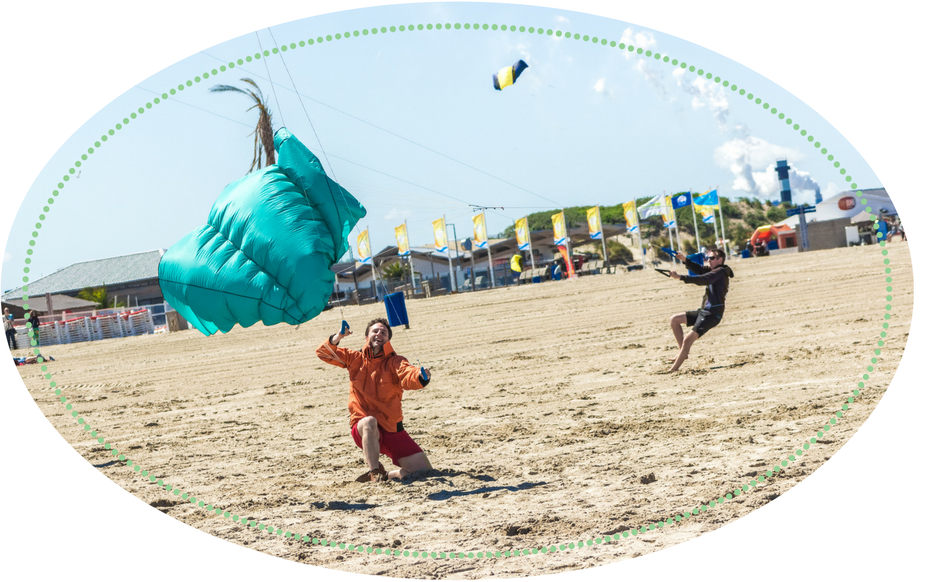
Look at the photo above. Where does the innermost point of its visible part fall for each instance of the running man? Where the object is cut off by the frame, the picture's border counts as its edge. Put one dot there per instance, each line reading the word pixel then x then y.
pixel 377 377
pixel 715 275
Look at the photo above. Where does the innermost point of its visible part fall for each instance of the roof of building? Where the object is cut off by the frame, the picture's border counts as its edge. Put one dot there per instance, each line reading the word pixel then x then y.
pixel 109 271
pixel 59 303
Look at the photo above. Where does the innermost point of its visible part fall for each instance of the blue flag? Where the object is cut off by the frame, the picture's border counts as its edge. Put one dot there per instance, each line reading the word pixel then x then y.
pixel 681 199
pixel 707 199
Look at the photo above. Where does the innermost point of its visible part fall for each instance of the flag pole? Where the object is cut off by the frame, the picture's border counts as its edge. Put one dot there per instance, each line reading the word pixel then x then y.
pixel 724 241
pixel 667 208
pixel 489 254
pixel 411 265
pixel 528 237
pixel 698 242
pixel 639 232
pixel 570 261
pixel 371 254
pixel 375 282
pixel 600 223
pixel 450 263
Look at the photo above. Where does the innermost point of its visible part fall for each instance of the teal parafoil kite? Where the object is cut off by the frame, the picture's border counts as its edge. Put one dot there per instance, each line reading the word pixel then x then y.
pixel 508 75
pixel 266 250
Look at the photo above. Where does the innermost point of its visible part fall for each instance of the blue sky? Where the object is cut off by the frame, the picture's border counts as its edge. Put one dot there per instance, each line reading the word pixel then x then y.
pixel 412 126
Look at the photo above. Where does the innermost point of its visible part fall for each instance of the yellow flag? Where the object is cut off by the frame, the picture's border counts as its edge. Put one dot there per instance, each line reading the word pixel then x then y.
pixel 440 235
pixel 558 226
pixel 522 233
pixel 364 248
pixel 669 215
pixel 479 231
pixel 401 235
pixel 516 263
pixel 629 214
pixel 594 222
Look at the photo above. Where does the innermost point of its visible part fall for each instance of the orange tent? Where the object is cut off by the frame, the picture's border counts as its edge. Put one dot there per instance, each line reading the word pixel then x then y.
pixel 782 233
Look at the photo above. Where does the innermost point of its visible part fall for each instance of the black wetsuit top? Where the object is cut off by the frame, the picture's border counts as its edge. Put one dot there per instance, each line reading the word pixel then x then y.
pixel 716 279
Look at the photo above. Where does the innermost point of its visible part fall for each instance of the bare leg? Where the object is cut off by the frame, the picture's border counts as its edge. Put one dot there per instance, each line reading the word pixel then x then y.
pixel 684 351
pixel 368 429
pixel 676 322
pixel 409 465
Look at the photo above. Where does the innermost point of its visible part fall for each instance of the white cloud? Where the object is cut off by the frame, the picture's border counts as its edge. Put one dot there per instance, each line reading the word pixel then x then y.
pixel 7 257
pixel 560 18
pixel 396 214
pixel 600 86
pixel 643 39
pixel 704 93
pixel 653 75
pixel 752 161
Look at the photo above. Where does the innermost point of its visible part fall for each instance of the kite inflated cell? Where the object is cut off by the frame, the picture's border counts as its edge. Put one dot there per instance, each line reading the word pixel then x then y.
pixel 508 75
pixel 266 250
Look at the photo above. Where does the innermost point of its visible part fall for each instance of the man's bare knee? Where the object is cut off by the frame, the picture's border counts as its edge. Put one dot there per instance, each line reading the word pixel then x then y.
pixel 367 424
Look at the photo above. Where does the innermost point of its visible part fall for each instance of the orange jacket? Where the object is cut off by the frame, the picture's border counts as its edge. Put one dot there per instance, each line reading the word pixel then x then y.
pixel 375 382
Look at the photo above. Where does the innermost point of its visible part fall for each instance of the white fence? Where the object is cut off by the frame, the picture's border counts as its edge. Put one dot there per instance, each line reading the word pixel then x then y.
pixel 73 328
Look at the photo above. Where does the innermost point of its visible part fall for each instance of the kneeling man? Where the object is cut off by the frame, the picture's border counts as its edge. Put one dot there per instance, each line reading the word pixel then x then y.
pixel 377 378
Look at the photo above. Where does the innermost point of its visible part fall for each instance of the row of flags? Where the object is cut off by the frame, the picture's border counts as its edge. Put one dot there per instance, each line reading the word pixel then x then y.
pixel 662 205
pixel 441 242
pixel 666 207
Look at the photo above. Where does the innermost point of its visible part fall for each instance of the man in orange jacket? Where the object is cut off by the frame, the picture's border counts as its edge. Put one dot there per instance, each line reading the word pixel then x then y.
pixel 377 378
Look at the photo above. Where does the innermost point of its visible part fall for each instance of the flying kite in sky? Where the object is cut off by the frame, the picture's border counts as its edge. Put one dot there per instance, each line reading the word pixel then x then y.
pixel 508 75
pixel 267 248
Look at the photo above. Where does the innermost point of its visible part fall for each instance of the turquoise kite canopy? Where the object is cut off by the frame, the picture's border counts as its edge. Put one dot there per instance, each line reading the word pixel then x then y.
pixel 267 248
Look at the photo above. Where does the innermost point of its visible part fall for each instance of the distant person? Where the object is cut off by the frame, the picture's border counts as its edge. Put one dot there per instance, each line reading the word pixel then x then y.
pixel 750 247
pixel 8 329
pixel 896 229
pixel 31 359
pixel 34 323
pixel 377 377
pixel 716 276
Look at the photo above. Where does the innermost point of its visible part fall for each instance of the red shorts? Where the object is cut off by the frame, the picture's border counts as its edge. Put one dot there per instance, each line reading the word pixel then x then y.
pixel 394 445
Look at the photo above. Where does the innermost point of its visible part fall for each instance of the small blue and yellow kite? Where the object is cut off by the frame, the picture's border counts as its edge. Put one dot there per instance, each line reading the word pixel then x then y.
pixel 508 75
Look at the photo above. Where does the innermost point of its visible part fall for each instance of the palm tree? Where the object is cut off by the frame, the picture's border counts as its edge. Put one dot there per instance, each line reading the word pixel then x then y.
pixel 264 134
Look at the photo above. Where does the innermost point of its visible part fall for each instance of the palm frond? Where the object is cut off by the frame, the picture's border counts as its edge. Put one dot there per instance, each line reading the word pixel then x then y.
pixel 224 88
pixel 263 133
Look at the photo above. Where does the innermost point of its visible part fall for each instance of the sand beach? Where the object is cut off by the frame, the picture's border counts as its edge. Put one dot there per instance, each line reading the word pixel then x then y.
pixel 549 420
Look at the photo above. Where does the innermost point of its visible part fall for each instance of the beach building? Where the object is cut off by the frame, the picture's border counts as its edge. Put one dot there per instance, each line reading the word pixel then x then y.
pixel 130 279
pixel 839 219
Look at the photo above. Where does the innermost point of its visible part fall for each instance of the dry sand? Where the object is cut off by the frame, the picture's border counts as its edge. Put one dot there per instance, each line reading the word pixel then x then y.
pixel 545 417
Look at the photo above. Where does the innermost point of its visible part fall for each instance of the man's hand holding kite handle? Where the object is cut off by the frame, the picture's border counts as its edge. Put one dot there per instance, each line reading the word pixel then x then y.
pixel 343 332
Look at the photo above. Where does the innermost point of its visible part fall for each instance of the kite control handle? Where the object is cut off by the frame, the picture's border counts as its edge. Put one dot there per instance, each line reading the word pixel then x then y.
pixel 424 375
pixel 344 329
pixel 665 272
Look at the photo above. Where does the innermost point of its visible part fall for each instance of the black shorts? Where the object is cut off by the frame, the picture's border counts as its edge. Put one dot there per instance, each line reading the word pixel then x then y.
pixel 702 320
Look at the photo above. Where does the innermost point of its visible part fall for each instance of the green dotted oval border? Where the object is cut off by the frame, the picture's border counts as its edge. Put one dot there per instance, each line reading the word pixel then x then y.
pixel 636 530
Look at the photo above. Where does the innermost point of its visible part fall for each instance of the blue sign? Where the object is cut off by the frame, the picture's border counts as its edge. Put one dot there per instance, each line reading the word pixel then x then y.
pixel 799 209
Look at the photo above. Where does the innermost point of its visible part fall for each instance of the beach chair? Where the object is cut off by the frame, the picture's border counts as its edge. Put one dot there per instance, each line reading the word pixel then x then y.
pixel 137 322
